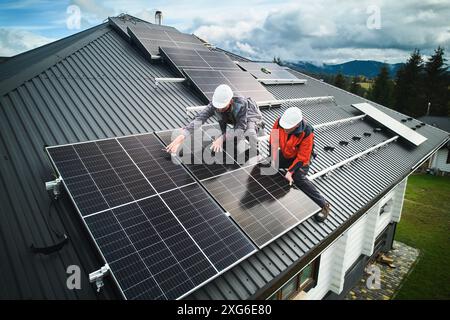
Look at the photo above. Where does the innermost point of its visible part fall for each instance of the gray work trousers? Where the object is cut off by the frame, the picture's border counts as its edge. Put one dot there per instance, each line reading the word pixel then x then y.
pixel 302 182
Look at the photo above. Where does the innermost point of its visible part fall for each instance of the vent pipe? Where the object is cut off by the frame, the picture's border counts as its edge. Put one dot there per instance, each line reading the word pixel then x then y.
pixel 158 17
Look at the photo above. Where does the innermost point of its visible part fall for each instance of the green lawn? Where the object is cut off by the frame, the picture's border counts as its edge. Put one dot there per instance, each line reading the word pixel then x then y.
pixel 425 224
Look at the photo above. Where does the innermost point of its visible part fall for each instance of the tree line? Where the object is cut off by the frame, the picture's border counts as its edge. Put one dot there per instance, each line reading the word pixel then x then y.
pixel 419 87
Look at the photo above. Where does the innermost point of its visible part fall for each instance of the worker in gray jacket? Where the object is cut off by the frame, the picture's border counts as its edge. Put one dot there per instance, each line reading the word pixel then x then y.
pixel 242 113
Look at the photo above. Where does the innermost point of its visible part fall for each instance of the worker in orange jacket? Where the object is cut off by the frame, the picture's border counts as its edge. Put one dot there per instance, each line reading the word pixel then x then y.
pixel 291 143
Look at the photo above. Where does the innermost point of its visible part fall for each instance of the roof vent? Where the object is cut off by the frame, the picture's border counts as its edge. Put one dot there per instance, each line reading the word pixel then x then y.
pixel 356 138
pixel 158 17
pixel 343 143
pixel 367 134
pixel 328 148
pixel 377 130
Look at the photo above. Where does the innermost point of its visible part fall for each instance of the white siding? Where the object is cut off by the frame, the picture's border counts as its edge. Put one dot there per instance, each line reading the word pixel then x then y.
pixel 440 160
pixel 355 242
pixel 359 239
pixel 324 276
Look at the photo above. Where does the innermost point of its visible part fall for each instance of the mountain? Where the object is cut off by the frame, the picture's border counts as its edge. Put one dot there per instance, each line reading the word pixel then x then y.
pixel 367 68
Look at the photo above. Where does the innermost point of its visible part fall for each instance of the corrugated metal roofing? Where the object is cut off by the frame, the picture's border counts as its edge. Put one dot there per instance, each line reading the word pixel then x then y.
pixel 96 85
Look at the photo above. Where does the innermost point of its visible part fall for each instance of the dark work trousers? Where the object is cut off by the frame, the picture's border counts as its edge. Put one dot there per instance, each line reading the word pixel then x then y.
pixel 301 181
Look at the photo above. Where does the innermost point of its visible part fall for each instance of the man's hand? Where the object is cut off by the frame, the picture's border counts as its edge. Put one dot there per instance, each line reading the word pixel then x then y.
pixel 289 178
pixel 175 144
pixel 217 144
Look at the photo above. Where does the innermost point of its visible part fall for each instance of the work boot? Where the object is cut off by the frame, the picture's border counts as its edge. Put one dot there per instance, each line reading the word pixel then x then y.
pixel 323 214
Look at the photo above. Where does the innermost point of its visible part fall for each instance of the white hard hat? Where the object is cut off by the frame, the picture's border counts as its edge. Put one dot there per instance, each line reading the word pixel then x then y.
pixel 222 96
pixel 291 117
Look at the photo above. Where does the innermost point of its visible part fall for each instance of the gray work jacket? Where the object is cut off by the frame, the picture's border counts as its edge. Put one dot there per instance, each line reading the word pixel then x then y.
pixel 242 112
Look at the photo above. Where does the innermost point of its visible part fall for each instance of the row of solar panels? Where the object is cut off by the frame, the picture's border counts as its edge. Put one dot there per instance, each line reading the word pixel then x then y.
pixel 164 228
pixel 206 69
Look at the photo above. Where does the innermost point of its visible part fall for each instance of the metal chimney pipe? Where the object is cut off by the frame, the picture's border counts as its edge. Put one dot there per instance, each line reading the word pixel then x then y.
pixel 158 17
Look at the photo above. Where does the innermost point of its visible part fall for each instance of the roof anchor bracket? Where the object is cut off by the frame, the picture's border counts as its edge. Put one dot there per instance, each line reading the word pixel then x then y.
pixel 54 186
pixel 97 276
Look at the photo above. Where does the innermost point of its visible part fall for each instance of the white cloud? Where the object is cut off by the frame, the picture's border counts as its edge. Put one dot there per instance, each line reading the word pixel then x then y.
pixel 245 47
pixel 219 34
pixel 312 30
pixel 323 30
pixel 94 9
pixel 14 41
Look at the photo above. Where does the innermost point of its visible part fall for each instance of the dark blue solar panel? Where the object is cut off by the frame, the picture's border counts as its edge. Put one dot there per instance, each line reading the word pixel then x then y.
pixel 150 40
pixel 181 58
pixel 158 246
pixel 242 83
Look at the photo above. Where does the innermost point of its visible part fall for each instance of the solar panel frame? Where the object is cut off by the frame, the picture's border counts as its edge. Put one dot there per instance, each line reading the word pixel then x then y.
pixel 206 197
pixel 387 121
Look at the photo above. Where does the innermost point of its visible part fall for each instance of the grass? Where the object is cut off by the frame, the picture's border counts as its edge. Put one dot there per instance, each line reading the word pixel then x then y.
pixel 425 224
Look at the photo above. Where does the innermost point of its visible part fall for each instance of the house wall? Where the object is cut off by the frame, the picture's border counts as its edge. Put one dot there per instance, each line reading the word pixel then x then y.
pixel 350 252
pixel 440 160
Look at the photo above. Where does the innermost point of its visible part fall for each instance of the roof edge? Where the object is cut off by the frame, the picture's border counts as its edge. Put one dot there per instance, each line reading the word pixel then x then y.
pixel 284 276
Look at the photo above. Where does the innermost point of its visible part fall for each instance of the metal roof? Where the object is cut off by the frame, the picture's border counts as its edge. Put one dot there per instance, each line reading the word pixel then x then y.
pixel 442 123
pixel 96 85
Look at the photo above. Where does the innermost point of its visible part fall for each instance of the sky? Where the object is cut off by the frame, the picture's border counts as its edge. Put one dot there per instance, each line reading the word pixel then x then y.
pixel 318 31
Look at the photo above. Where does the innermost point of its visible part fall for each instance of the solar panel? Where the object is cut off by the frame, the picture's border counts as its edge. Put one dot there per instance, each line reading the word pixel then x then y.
pixel 121 24
pixel 99 175
pixel 264 206
pixel 149 40
pixel 389 122
pixel 161 234
pixel 242 83
pixel 262 70
pixel 181 59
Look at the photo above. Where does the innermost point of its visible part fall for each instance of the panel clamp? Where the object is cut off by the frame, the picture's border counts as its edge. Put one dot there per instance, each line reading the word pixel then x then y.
pixel 97 276
pixel 54 186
